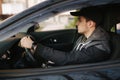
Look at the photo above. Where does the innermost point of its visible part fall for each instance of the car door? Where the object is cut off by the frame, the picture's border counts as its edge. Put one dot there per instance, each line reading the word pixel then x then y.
pixel 108 70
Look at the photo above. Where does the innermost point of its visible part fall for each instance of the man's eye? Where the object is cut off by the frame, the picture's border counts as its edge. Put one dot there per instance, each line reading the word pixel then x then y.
pixel 79 19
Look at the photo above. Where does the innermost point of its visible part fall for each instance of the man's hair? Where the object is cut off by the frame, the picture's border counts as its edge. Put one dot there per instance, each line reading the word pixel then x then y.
pixel 87 19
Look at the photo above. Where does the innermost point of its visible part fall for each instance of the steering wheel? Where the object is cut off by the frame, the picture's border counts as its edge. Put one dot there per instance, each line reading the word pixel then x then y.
pixel 34 60
pixel 29 60
pixel 28 55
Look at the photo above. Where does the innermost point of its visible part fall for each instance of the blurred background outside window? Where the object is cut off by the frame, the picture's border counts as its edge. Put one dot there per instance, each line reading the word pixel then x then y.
pixel 11 7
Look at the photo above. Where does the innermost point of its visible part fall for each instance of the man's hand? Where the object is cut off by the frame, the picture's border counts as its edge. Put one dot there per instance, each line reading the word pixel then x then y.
pixel 26 42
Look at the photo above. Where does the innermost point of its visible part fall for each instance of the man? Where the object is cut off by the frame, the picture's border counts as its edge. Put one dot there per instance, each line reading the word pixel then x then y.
pixel 92 46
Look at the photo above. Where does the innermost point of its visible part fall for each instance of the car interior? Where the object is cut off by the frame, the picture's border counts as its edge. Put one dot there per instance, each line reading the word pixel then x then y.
pixel 12 56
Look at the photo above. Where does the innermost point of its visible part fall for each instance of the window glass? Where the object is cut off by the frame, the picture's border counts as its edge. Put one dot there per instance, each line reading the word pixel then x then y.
pixel 60 21
pixel 118 28
pixel 113 29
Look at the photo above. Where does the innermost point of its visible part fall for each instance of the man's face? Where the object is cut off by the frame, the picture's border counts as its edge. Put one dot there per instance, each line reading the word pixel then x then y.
pixel 82 25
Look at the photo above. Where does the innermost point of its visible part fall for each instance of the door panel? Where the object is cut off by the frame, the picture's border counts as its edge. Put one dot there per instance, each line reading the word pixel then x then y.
pixel 108 70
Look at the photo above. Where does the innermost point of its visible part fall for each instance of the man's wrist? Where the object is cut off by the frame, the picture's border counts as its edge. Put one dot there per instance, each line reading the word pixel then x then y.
pixel 34 45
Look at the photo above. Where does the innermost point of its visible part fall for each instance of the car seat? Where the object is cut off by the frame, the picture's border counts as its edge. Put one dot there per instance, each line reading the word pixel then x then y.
pixel 115 45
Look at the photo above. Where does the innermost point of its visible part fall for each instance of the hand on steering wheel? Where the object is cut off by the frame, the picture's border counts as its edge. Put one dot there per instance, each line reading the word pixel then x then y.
pixel 27 43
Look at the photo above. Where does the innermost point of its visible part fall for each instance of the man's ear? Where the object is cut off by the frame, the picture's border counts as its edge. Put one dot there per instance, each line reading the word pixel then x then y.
pixel 90 23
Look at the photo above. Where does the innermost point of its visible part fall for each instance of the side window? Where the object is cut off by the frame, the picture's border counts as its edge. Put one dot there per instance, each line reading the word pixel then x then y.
pixel 61 21
pixel 118 28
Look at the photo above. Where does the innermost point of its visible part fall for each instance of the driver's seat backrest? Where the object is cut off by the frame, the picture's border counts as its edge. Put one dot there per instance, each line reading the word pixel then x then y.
pixel 115 45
